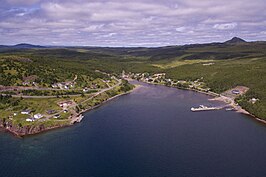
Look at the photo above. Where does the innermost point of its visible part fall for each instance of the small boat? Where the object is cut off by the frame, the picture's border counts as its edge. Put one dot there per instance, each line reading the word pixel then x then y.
pixel 229 109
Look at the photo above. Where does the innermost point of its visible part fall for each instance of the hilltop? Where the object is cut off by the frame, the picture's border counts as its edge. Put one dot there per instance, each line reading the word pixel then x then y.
pixel 235 40
pixel 21 46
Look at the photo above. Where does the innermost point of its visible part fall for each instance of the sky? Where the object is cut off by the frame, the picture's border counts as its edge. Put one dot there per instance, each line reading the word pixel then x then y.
pixel 130 22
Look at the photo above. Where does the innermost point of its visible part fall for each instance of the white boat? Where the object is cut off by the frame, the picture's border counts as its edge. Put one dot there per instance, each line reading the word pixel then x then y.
pixel 204 108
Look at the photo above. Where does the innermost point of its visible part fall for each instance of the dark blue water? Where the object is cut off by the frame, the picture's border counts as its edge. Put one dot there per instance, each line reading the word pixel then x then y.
pixel 148 133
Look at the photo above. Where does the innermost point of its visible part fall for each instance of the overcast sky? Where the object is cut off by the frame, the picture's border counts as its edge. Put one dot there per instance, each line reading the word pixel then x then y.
pixel 130 22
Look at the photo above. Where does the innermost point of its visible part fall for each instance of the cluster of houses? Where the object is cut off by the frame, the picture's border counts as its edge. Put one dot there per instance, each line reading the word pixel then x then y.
pixel 65 104
pixel 28 83
pixel 31 119
pixel 38 115
pixel 34 117
pixel 160 78
pixel 240 92
pixel 30 80
pixel 63 85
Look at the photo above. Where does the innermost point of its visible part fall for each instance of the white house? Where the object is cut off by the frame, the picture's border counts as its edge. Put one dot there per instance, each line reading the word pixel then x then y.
pixel 253 100
pixel 54 85
pixel 85 90
pixel 26 112
pixel 38 116
pixel 56 116
pixel 65 104
pixel 159 75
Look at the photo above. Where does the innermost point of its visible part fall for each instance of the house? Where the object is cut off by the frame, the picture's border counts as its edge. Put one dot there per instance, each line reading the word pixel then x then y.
pixel 159 75
pixel 54 85
pixel 65 104
pixel 85 89
pixel 59 85
pixel 38 116
pixel 30 119
pixel 56 116
pixel 253 100
pixel 236 92
pixel 182 82
pixel 25 83
pixel 207 64
pixel 26 112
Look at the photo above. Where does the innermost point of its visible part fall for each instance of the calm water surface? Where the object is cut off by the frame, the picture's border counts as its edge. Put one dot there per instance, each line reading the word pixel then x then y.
pixel 148 133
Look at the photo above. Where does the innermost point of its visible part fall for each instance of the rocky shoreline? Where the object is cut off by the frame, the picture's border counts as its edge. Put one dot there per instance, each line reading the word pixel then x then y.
pixel 27 130
pixel 32 130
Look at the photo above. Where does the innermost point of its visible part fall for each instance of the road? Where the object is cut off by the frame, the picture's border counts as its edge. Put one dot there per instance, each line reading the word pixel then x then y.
pixel 96 94
pixel 17 88
pixel 38 97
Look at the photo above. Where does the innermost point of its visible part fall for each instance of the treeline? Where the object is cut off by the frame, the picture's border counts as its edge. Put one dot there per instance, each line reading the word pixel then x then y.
pixel 7 101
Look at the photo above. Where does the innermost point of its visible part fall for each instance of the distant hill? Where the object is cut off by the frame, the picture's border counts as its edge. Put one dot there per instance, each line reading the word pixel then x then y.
pixel 235 40
pixel 21 46
pixel 27 46
pixel 234 48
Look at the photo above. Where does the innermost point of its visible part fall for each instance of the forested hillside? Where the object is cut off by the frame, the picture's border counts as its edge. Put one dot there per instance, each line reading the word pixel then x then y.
pixel 220 65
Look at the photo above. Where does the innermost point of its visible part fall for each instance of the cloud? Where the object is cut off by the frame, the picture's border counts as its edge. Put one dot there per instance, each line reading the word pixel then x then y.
pixel 125 22
pixel 225 26
pixel 22 2
pixel 181 29
pixel 93 28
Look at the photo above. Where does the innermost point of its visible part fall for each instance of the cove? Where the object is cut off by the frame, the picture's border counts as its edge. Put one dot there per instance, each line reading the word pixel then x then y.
pixel 149 132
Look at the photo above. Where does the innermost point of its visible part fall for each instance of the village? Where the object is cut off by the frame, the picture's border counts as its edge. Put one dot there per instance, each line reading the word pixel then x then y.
pixel 229 96
pixel 160 78
pixel 69 107
pixel 63 107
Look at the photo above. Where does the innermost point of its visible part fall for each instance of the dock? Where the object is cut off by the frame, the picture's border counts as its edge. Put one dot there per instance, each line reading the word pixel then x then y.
pixel 205 108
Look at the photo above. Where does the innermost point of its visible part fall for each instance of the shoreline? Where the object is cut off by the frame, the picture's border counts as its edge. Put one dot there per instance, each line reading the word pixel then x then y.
pixel 79 117
pixel 219 97
pixel 102 103
pixel 76 119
